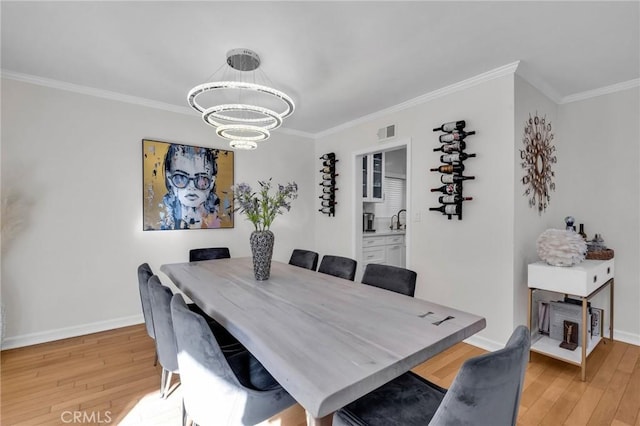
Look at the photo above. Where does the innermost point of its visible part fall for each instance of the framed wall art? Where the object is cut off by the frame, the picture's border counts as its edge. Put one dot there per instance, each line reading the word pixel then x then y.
pixel 538 158
pixel 186 187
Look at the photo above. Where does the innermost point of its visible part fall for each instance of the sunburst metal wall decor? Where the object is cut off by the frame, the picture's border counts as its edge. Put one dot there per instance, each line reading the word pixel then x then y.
pixel 538 155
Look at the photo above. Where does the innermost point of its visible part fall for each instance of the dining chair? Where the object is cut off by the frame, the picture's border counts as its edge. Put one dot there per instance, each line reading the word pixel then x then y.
pixel 338 266
pixel 144 273
pixel 209 253
pixel 391 278
pixel 160 301
pixel 486 391
pixel 304 258
pixel 160 297
pixel 219 390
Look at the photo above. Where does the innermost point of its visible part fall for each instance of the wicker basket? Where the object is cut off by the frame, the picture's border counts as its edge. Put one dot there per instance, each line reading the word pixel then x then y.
pixel 605 254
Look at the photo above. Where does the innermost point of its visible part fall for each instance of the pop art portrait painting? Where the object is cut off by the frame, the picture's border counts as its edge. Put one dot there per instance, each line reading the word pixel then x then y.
pixel 186 187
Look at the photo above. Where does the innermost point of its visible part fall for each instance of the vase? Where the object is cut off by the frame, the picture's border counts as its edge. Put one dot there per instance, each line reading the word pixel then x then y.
pixel 262 251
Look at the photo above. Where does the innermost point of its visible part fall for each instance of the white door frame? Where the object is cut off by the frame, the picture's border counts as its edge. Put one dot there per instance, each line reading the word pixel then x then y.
pixel 356 207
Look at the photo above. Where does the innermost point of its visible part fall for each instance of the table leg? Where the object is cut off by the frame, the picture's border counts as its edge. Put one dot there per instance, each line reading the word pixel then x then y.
pixel 319 421
pixel 584 327
pixel 529 309
pixel 610 311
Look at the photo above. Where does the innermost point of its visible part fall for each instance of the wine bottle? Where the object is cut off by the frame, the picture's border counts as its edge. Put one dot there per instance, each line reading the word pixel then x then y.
pixel 455 158
pixel 328 190
pixel 328 203
pixel 449 168
pixel 451 126
pixel 330 175
pixel 454 178
pixel 447 209
pixel 327 196
pixel 328 156
pixel 326 170
pixel 456 146
pixel 328 210
pixel 582 233
pixel 329 163
pixel 455 136
pixel 453 199
pixel 329 182
pixel 449 189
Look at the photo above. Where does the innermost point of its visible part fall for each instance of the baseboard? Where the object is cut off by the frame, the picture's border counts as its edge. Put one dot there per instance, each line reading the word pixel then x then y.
pixel 65 333
pixel 490 345
pixel 483 343
pixel 622 336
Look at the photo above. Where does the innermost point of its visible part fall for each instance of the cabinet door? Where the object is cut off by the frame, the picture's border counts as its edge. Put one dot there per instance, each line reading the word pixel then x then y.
pixel 374 255
pixel 373 177
pixel 377 176
pixel 365 177
pixel 394 255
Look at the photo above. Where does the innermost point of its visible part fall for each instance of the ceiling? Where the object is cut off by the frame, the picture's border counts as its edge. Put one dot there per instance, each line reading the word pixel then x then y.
pixel 338 60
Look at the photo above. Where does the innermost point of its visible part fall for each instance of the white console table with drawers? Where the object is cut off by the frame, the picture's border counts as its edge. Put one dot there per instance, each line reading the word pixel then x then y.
pixel 583 281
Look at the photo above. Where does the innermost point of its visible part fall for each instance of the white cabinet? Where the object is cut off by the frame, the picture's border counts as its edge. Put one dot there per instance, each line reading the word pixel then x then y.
pixel 373 177
pixel 385 250
pixel 583 281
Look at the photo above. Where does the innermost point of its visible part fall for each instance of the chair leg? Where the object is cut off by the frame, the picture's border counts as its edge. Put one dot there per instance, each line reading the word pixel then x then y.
pixel 165 382
pixel 155 361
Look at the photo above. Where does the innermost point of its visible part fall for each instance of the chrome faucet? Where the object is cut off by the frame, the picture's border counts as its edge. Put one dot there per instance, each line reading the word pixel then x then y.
pixel 391 227
pixel 398 217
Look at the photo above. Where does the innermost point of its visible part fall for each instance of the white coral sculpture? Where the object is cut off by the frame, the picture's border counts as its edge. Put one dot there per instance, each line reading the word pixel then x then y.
pixel 559 247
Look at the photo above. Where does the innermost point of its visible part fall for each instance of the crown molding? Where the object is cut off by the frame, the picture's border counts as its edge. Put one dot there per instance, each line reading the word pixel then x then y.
pixel 91 91
pixel 512 68
pixel 456 87
pixel 601 91
pixel 115 96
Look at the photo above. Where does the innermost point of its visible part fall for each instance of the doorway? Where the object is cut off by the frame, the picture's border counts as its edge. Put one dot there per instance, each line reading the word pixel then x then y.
pixel 380 236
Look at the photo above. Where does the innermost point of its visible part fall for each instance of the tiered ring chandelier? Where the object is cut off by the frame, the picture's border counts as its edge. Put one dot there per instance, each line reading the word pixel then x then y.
pixel 243 111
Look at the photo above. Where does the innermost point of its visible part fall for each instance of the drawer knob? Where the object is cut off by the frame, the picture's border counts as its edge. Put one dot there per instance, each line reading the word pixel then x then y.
pixel 608 270
pixel 595 278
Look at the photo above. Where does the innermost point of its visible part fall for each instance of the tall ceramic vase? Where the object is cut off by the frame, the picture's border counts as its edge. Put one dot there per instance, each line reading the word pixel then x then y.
pixel 262 251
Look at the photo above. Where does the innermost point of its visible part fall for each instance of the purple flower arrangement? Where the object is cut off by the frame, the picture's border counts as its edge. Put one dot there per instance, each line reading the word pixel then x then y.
pixel 261 207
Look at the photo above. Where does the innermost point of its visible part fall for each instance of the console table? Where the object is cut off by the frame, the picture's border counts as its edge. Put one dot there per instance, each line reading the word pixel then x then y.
pixel 583 281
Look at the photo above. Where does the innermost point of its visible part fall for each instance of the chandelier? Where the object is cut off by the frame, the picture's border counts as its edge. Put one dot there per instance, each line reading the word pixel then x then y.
pixel 243 109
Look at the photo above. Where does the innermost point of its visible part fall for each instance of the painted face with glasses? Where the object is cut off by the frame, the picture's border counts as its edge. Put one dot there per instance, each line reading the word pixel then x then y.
pixel 190 175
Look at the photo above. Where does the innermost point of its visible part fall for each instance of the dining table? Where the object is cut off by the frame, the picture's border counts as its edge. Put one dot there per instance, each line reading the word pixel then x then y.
pixel 327 341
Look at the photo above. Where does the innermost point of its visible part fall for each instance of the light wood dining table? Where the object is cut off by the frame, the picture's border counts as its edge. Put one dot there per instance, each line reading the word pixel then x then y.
pixel 326 340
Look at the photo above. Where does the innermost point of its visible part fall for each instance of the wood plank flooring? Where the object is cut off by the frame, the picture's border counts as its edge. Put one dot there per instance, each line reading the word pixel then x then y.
pixel 109 378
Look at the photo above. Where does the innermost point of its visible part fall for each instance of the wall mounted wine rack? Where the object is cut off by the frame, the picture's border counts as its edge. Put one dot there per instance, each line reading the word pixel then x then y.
pixel 328 184
pixel 452 146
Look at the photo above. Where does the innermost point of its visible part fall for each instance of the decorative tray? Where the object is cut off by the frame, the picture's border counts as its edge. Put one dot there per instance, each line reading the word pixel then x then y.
pixel 605 254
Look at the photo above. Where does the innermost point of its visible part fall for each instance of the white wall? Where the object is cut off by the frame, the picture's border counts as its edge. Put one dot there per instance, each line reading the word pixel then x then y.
pixel 466 264
pixel 76 160
pixel 528 224
pixel 599 144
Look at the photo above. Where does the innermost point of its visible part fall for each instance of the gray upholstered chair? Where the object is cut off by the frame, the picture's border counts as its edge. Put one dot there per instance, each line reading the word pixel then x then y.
pixel 160 301
pixel 392 278
pixel 209 253
pixel 219 390
pixel 338 266
pixel 144 273
pixel 486 391
pixel 160 297
pixel 304 258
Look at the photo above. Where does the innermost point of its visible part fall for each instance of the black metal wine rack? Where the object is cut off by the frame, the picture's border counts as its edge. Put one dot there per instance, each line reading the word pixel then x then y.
pixel 452 168
pixel 328 184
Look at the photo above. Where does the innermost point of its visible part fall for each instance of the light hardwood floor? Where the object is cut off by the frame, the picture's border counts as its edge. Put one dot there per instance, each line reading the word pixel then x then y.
pixel 109 378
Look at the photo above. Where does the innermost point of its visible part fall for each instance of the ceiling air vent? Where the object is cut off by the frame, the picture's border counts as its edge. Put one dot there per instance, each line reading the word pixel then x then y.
pixel 387 132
